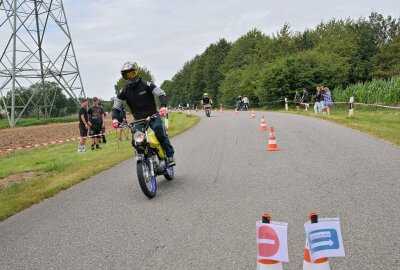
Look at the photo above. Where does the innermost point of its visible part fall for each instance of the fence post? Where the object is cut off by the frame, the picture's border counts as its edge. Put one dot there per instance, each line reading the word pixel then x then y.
pixel 286 104
pixel 351 106
pixel 188 108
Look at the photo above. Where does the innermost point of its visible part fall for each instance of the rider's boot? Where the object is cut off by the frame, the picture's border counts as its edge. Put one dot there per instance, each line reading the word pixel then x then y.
pixel 171 161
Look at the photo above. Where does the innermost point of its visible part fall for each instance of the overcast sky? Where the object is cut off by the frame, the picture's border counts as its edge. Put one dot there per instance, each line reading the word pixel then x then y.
pixel 163 35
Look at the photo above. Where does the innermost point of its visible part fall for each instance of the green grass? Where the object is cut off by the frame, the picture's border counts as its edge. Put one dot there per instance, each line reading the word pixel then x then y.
pixel 25 122
pixel 381 123
pixel 58 167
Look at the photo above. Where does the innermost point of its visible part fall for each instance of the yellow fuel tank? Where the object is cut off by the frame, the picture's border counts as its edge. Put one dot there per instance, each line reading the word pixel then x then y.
pixel 154 143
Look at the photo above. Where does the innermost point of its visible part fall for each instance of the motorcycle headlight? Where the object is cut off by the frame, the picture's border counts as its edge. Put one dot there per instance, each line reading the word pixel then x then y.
pixel 138 137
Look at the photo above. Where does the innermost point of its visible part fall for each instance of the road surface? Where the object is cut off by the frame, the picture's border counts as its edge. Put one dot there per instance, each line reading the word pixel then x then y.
pixel 205 218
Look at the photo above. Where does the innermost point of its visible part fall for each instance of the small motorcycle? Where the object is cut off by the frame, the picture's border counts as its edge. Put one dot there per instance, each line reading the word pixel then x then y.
pixel 151 160
pixel 208 110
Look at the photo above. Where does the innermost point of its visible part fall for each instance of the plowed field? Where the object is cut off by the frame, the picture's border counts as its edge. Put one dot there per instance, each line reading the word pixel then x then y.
pixel 23 136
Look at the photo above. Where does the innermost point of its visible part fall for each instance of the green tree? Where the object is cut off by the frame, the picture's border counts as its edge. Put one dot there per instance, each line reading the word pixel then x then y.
pixel 386 63
pixel 305 70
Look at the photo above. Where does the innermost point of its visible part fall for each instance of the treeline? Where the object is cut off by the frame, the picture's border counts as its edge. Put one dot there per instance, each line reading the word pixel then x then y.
pixel 34 95
pixel 266 68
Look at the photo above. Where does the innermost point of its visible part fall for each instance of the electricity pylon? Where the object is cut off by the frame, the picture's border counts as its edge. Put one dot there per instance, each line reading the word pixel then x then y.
pixel 35 48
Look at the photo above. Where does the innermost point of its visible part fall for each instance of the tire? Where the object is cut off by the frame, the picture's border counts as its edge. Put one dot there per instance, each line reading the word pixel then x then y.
pixel 148 183
pixel 169 174
pixel 208 113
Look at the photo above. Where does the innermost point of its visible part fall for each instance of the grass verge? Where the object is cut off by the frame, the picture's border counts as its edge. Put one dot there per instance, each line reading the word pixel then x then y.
pixel 58 167
pixel 25 122
pixel 381 123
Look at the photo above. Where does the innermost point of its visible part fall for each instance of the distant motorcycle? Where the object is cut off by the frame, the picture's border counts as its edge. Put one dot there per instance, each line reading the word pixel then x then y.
pixel 208 110
pixel 151 160
pixel 241 106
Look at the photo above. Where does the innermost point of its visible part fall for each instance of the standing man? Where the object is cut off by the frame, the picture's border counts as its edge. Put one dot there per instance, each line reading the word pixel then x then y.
pixel 297 100
pixel 317 104
pixel 304 99
pixel 103 130
pixel 140 97
pixel 96 120
pixel 83 125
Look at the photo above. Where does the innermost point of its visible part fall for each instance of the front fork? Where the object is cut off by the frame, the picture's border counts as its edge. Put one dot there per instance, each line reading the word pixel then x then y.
pixel 142 158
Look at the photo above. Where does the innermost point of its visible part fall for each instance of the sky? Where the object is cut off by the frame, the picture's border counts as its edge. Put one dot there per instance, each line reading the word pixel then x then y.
pixel 163 35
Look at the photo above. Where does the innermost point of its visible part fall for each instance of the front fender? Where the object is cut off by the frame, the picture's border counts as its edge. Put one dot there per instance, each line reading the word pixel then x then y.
pixel 140 157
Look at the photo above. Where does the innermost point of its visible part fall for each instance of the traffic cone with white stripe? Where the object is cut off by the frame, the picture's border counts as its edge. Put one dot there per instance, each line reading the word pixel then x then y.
pixel 253 114
pixel 263 125
pixel 319 264
pixel 264 264
pixel 272 145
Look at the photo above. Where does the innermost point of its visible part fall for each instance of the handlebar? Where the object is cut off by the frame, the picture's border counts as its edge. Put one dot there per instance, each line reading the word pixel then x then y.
pixel 145 119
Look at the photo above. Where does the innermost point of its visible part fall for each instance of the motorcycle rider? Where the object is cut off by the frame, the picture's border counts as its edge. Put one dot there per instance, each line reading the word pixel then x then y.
pixel 206 101
pixel 245 101
pixel 140 97
pixel 239 102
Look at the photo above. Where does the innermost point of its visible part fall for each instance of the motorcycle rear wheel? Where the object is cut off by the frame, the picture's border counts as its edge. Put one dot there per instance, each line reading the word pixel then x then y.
pixel 147 182
pixel 169 174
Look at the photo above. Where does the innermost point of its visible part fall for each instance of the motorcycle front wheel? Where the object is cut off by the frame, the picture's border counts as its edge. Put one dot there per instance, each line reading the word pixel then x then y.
pixel 147 182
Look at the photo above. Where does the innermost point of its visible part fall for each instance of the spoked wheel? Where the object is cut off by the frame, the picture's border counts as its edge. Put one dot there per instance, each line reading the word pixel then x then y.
pixel 147 182
pixel 169 174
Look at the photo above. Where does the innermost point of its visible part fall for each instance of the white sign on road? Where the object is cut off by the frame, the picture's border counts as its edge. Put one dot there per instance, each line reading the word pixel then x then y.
pixel 272 241
pixel 324 239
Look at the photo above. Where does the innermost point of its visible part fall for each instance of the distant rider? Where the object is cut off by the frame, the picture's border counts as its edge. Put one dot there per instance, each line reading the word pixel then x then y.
pixel 239 102
pixel 206 101
pixel 139 95
pixel 245 101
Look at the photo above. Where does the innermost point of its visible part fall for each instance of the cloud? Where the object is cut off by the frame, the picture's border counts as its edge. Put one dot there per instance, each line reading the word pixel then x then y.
pixel 163 35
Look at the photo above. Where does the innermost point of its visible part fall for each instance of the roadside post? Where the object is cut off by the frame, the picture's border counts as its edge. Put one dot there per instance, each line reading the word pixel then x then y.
pixel 286 104
pixel 351 106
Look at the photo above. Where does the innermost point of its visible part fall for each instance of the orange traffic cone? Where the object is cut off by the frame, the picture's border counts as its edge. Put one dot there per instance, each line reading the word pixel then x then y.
pixel 272 145
pixel 320 264
pixel 253 114
pixel 263 125
pixel 264 264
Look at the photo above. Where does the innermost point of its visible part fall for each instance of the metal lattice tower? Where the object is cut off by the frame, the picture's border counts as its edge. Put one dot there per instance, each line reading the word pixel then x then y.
pixel 36 48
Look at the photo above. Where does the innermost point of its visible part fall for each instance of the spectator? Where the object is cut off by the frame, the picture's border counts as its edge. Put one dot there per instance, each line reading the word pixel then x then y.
pixel 123 123
pixel 96 120
pixel 318 98
pixel 103 130
pixel 328 103
pixel 83 125
pixel 297 100
pixel 304 99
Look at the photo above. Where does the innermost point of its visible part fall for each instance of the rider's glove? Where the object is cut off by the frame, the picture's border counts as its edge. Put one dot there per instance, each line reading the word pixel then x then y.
pixel 163 112
pixel 115 124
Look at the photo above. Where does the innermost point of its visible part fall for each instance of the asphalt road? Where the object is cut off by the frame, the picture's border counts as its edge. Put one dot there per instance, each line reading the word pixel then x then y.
pixel 205 218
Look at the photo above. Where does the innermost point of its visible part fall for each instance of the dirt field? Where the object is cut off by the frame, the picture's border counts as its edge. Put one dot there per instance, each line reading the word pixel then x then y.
pixel 23 136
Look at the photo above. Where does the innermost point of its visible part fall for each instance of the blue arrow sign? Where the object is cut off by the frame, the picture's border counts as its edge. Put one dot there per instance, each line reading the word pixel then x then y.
pixel 323 239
